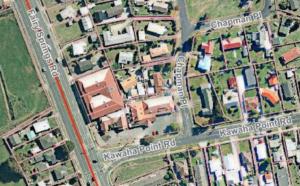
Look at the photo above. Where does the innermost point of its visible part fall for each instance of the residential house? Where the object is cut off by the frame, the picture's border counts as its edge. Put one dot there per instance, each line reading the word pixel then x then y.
pixel 232 84
pixel 141 35
pixel 47 141
pixel 206 100
pixel 272 80
pixel 261 151
pixel 100 93
pixel 41 126
pixel 249 77
pixel 204 63
pixel 251 103
pixel 294 4
pixel 291 147
pixel 268 178
pixel 79 48
pixel 270 95
pixel 129 83
pixel 156 29
pixel 113 39
pixel 84 66
pixel 114 11
pixel 159 51
pixel 99 16
pixel 141 89
pixel 208 47
pixel 287 90
pixel 230 99
pixel 290 55
pixel 231 169
pixel 145 112
pixel 59 174
pixel 158 83
pixel 215 168
pixel 87 23
pixel 139 2
pixel 231 43
pixel 125 58
pixel 68 13
pixel 14 140
pixel 161 7
pixel 116 120
pixel 84 11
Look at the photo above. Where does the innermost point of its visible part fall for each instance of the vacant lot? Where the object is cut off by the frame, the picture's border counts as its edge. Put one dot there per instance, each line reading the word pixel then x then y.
pixel 66 33
pixel 25 94
pixel 217 8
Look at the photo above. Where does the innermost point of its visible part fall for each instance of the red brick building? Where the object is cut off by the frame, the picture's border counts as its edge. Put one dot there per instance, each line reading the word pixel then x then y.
pixel 100 93
pixel 290 55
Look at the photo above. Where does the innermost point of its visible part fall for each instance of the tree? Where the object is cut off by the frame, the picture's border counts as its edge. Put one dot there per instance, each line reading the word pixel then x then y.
pixel 70 145
pixel 146 140
pixel 174 127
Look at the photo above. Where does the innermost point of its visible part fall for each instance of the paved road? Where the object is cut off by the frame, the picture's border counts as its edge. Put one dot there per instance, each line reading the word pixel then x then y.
pixel 21 10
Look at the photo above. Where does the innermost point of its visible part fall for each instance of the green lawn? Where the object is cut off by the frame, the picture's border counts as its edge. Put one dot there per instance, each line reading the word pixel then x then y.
pixel 3 111
pixel 67 33
pixel 244 146
pixel 134 169
pixel 226 149
pixel 295 177
pixel 234 56
pixel 23 87
pixel 292 103
pixel 279 52
pixel 8 177
pixel 216 8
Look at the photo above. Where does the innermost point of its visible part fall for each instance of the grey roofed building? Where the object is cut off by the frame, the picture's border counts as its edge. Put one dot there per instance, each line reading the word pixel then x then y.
pixel 99 16
pixel 58 174
pixel 287 90
pixel 114 11
pixel 206 100
pixel 87 23
pixel 281 176
pixel 38 158
pixel 14 139
pixel 125 57
pixel 294 4
pixel 50 158
pixel 84 66
pixel 249 77
pixel 160 7
pixel 47 141
pixel 110 39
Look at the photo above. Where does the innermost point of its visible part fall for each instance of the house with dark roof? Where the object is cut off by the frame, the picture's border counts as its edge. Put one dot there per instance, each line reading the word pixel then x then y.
pixel 114 11
pixel 287 90
pixel 294 4
pixel 249 77
pixel 14 139
pixel 47 141
pixel 206 100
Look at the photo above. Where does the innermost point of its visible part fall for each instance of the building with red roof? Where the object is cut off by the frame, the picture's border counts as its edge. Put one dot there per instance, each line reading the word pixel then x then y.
pixel 231 43
pixel 251 103
pixel 232 82
pixel 100 93
pixel 208 47
pixel 272 80
pixel 290 55
pixel 270 95
pixel 158 82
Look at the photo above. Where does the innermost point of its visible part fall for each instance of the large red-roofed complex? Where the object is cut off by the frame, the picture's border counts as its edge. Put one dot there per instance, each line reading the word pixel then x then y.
pixel 100 93
pixel 290 55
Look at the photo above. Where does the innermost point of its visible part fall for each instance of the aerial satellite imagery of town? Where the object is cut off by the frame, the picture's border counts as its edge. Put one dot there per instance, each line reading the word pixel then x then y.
pixel 150 93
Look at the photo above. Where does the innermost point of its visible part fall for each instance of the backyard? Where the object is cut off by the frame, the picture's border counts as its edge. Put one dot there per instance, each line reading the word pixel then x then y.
pixel 25 94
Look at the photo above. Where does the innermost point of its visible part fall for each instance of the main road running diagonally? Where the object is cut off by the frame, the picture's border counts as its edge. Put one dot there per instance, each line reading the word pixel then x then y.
pixel 58 84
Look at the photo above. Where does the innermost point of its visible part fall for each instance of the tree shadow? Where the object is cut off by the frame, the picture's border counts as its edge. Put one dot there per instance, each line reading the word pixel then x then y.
pixel 8 174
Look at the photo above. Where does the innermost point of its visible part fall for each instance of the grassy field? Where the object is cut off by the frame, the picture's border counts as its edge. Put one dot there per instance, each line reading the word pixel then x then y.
pixel 216 8
pixel 135 169
pixel 7 176
pixel 4 111
pixel 67 33
pixel 23 87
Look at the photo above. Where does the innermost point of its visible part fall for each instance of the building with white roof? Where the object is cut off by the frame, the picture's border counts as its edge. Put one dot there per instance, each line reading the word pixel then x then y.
pixel 142 35
pixel 113 39
pixel 230 99
pixel 125 57
pixel 84 11
pixel 140 89
pixel 291 147
pixel 117 2
pixel 156 29
pixel 79 48
pixel 261 151
pixel 41 126
pixel 98 101
pixel 154 102
pixel 35 150
pixel 215 167
pixel 87 23
pixel 68 12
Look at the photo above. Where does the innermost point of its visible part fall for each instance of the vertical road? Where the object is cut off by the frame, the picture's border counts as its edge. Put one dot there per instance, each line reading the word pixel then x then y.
pixel 61 92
